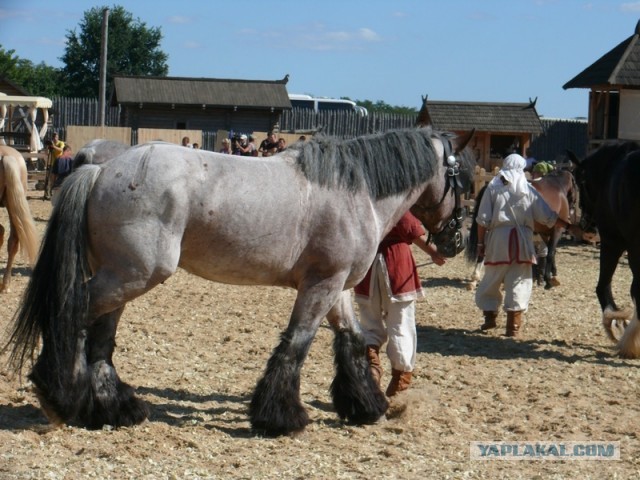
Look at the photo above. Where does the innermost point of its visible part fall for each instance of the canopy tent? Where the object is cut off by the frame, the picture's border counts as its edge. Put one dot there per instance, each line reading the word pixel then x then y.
pixel 8 102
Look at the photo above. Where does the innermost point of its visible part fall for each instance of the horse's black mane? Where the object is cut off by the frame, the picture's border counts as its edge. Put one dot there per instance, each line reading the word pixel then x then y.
pixel 386 163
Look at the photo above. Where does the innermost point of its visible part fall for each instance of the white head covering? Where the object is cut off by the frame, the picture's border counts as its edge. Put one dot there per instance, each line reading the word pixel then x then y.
pixel 513 172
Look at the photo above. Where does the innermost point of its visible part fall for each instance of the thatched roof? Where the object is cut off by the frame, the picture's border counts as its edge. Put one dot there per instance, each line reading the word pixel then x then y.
pixel 485 117
pixel 211 92
pixel 618 67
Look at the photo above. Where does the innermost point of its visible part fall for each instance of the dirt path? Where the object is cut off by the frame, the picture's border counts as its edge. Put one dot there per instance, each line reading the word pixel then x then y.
pixel 195 350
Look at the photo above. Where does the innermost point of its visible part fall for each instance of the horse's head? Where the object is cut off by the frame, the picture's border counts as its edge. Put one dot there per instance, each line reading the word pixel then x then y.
pixel 439 208
pixel 587 192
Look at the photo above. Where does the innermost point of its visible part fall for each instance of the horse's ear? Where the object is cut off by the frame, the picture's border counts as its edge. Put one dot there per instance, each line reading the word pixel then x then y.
pixel 573 157
pixel 424 119
pixel 461 141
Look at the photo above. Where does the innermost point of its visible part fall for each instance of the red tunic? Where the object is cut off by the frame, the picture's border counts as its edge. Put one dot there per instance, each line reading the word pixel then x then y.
pixel 401 266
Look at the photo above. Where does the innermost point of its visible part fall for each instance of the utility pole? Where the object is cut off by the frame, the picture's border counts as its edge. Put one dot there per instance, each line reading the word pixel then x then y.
pixel 103 65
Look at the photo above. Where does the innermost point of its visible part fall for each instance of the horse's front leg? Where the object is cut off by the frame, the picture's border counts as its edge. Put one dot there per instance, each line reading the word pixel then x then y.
pixel 275 408
pixel 356 395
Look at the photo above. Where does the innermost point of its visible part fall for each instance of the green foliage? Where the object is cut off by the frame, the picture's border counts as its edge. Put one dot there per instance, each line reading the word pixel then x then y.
pixel 383 107
pixel 39 80
pixel 8 63
pixel 133 49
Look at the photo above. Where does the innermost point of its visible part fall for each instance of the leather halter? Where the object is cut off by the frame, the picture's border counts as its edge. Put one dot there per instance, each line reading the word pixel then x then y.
pixel 452 179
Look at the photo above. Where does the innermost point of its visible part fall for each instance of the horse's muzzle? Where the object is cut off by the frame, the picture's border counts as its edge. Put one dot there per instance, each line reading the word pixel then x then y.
pixel 450 241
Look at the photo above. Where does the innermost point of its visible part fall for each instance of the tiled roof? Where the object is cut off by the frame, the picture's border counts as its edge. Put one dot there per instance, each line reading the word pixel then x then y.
pixel 485 117
pixel 618 67
pixel 212 92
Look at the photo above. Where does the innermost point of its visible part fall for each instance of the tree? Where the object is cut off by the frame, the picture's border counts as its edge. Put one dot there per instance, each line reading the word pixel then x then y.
pixel 381 106
pixel 8 63
pixel 40 80
pixel 133 49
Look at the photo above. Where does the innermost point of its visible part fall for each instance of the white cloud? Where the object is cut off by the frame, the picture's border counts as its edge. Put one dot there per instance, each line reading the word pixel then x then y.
pixel 179 19
pixel 632 7
pixel 318 37
pixel 368 35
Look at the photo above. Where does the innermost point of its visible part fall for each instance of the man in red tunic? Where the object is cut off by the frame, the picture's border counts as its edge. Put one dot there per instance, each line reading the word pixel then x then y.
pixel 386 297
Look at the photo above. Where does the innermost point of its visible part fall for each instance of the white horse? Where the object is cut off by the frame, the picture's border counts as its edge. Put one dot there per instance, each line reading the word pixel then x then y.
pixel 309 218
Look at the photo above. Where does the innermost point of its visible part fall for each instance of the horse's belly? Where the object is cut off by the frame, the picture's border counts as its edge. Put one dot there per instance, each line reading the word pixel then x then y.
pixel 234 270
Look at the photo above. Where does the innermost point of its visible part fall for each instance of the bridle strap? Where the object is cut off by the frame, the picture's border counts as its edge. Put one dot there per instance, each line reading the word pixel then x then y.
pixel 452 183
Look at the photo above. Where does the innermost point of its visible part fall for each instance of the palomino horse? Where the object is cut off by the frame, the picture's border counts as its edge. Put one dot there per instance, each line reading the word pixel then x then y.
pixel 609 198
pixel 13 196
pixel 560 191
pixel 309 218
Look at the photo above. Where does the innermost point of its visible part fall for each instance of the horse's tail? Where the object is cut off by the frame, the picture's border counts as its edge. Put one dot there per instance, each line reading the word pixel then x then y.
pixel 471 252
pixel 18 208
pixel 55 302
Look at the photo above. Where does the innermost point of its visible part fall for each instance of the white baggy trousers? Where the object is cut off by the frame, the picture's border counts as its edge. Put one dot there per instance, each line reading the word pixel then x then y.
pixel 383 318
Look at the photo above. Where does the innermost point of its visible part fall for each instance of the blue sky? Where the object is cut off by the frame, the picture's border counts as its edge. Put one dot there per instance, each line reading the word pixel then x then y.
pixel 395 51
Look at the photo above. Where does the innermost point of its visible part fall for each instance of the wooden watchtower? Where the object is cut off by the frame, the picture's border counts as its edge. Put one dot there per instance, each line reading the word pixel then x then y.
pixel 614 96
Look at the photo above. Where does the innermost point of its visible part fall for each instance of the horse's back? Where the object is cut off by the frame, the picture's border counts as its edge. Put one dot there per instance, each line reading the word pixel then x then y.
pixel 224 218
pixel 554 188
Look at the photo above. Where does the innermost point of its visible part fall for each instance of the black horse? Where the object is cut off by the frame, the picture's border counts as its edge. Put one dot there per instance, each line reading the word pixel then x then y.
pixel 609 181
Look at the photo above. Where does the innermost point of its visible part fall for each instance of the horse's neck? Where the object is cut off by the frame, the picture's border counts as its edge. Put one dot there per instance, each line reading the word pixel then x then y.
pixel 388 211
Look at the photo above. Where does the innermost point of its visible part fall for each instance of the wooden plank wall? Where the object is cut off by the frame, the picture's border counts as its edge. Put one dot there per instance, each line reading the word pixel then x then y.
pixel 77 136
pixel 167 135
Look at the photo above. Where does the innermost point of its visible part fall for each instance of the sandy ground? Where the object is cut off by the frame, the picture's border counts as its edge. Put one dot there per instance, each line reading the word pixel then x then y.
pixel 195 351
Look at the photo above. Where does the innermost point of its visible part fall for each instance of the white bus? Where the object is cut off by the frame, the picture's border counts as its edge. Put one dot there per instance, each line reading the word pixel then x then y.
pixel 320 104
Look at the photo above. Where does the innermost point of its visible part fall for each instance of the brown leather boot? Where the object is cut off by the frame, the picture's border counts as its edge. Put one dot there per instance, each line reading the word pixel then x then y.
pixel 399 381
pixel 489 320
pixel 374 363
pixel 514 322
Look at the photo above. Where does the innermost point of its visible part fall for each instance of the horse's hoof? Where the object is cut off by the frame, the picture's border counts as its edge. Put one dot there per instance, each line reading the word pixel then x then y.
pixel 555 282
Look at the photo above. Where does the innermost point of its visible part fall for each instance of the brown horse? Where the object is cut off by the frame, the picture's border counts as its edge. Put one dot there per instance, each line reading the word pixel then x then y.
pixel 560 191
pixel 13 188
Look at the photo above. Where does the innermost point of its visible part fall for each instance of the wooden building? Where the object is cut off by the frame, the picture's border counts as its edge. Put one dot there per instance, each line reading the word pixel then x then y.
pixel 614 96
pixel 208 104
pixel 501 128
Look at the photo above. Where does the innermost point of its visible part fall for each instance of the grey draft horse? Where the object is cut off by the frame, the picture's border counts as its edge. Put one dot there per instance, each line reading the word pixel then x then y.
pixel 309 218
pixel 98 151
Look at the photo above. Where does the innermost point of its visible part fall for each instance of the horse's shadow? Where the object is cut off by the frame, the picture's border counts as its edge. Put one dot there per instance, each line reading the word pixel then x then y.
pixel 444 282
pixel 174 407
pixel 459 342
pixel 18 271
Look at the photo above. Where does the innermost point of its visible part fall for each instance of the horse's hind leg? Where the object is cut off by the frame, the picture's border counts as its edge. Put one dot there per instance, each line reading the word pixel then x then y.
pixel 609 256
pixel 94 396
pixel 356 395
pixel 629 345
pixel 550 271
pixel 112 401
pixel 12 250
